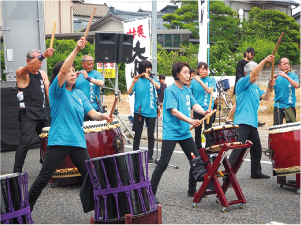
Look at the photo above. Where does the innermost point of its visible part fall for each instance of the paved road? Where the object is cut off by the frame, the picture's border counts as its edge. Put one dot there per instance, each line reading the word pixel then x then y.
pixel 266 202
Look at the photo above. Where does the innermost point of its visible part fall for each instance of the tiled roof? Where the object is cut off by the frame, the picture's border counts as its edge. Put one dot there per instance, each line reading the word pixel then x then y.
pixel 84 9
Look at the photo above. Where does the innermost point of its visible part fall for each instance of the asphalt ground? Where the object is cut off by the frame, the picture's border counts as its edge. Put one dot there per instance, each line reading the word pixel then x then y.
pixel 266 201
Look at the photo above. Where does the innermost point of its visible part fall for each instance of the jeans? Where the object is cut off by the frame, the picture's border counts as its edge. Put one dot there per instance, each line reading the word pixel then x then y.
pixel 29 128
pixel 246 132
pixel 53 157
pixel 138 128
pixel 168 147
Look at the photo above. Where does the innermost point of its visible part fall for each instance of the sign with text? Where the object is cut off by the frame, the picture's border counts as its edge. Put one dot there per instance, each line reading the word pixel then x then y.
pixel 109 69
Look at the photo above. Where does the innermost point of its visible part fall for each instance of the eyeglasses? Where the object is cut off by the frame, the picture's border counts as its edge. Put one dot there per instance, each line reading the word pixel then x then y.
pixel 252 54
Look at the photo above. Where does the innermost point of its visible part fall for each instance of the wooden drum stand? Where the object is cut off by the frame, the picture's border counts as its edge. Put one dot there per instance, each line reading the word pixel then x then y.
pixel 229 172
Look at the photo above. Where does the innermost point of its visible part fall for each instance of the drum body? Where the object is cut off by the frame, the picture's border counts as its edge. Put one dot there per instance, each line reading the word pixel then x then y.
pixel 284 147
pixel 15 208
pixel 121 186
pixel 217 136
pixel 101 138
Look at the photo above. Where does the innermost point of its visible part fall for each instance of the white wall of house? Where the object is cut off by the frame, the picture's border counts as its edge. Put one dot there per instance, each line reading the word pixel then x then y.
pixel 111 25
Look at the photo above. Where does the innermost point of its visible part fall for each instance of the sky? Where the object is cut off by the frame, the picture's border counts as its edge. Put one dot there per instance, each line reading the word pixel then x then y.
pixel 132 5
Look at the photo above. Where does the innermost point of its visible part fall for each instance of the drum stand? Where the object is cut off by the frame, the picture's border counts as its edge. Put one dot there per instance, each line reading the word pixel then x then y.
pixel 229 172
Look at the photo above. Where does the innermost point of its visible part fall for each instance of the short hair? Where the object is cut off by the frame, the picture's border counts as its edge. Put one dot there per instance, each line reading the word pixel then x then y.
pixel 29 54
pixel 56 70
pixel 191 70
pixel 162 77
pixel 201 65
pixel 143 65
pixel 177 69
pixel 85 56
pixel 279 61
pixel 249 67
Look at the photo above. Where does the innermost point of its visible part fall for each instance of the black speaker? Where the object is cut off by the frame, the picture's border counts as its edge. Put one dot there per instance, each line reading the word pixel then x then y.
pixel 106 47
pixel 125 48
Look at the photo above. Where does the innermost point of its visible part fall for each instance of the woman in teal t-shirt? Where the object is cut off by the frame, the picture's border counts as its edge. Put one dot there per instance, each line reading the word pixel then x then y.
pixel 66 136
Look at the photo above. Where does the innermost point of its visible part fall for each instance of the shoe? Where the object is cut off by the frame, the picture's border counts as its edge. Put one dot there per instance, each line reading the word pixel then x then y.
pixel 190 194
pixel 261 176
pixel 151 160
pixel 229 122
pixel 157 201
pixel 261 123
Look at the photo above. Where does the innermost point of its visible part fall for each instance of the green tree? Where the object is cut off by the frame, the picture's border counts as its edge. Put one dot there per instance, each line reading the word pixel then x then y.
pixel 268 25
pixel 2 63
pixel 224 22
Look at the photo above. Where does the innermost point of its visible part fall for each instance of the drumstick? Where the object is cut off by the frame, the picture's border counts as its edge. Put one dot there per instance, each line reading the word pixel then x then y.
pixel 52 36
pixel 114 105
pixel 210 103
pixel 275 49
pixel 207 116
pixel 272 74
pixel 90 21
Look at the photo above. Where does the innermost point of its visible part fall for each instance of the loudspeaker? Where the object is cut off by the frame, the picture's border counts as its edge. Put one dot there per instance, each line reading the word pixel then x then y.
pixel 125 48
pixel 106 47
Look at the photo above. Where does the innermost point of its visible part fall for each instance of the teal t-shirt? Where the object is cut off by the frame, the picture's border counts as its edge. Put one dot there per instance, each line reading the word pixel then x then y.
pixel 199 93
pixel 247 102
pixel 88 88
pixel 67 116
pixel 145 96
pixel 285 92
pixel 182 100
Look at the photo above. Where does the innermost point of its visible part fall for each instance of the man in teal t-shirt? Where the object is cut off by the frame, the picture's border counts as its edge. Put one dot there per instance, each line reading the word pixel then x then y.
pixel 247 102
pixel 90 85
pixel 285 86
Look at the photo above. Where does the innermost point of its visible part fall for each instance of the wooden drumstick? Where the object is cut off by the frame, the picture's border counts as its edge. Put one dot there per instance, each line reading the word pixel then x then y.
pixel 114 105
pixel 210 103
pixel 90 21
pixel 278 43
pixel 272 74
pixel 52 36
pixel 207 116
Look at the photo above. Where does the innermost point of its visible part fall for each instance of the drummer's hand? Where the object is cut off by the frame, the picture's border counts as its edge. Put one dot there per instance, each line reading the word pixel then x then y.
pixel 272 82
pixel 207 112
pixel 195 123
pixel 197 78
pixel 108 118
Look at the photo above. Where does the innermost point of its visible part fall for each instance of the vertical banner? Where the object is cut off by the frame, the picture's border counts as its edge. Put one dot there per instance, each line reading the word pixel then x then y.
pixel 203 21
pixel 141 50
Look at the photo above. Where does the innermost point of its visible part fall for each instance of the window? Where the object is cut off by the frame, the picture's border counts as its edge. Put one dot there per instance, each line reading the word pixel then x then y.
pixel 172 40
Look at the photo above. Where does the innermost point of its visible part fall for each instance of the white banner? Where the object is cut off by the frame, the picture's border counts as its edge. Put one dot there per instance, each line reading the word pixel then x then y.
pixel 203 31
pixel 141 50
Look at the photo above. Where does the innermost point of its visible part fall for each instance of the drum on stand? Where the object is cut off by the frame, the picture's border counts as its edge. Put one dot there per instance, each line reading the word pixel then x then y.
pixel 217 136
pixel 284 148
pixel 121 186
pixel 102 139
pixel 15 208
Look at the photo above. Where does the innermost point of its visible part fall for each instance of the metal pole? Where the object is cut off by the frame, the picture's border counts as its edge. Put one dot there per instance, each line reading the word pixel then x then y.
pixel 104 84
pixel 154 36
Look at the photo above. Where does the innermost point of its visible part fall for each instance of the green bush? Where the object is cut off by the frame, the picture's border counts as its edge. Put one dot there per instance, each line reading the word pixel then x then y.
pixel 2 63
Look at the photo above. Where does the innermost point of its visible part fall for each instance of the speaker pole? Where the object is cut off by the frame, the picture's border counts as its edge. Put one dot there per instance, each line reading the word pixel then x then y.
pixel 103 87
pixel 116 113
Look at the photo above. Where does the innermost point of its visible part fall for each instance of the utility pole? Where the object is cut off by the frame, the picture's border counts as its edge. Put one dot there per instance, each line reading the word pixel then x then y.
pixel 154 36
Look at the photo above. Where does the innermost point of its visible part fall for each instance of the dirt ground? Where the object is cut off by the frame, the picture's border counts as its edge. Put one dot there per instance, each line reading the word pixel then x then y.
pixel 266 116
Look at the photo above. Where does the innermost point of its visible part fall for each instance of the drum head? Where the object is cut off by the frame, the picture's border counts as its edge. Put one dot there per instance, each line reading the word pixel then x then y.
pixel 283 128
pixel 220 128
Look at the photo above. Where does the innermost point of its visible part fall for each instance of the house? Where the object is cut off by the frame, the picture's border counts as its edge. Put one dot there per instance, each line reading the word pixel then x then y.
pixel 296 17
pixel 243 7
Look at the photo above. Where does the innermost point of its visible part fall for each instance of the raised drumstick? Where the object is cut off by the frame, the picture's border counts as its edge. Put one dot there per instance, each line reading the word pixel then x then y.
pixel 275 49
pixel 210 103
pixel 52 36
pixel 207 116
pixel 114 105
pixel 90 21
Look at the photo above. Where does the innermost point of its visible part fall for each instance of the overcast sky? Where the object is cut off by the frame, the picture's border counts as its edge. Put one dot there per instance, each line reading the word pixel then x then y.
pixel 132 5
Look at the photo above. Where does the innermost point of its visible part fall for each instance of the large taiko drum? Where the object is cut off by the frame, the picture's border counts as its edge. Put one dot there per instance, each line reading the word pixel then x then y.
pixel 15 208
pixel 217 136
pixel 102 139
pixel 284 147
pixel 121 185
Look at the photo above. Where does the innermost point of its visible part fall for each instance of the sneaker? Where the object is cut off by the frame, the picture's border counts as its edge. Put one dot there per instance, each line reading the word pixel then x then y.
pixel 157 201
pixel 151 160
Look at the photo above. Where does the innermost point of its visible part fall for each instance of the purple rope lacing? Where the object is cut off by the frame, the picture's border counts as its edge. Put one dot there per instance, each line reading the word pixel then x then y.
pixel 25 209
pixel 108 187
pixel 119 185
pixel 141 181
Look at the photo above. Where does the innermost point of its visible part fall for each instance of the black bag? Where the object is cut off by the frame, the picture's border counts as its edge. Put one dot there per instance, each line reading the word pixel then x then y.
pixel 86 195
pixel 198 168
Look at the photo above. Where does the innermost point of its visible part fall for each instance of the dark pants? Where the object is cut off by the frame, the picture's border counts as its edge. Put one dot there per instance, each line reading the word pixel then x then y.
pixel 138 128
pixel 53 157
pixel 29 128
pixel 198 130
pixel 88 118
pixel 278 118
pixel 168 147
pixel 246 132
